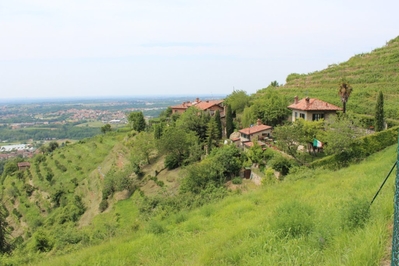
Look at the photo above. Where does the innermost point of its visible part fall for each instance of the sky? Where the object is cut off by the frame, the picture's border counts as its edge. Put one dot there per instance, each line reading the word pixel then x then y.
pixel 96 48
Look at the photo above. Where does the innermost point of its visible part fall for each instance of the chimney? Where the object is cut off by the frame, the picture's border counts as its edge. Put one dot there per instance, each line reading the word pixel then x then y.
pixel 296 99
pixel 259 122
pixel 307 101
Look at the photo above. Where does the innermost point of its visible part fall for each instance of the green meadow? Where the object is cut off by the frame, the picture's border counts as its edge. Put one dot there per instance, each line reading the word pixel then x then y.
pixel 313 217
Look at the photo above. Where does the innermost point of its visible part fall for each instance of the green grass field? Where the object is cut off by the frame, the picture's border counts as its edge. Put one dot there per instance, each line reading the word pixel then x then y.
pixel 251 228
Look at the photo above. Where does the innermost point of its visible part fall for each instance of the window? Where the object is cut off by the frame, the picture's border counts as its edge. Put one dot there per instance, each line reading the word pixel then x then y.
pixel 296 115
pixel 316 117
pixel 301 115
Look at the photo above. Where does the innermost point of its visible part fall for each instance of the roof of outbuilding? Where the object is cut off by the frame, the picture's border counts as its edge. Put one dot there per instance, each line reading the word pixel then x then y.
pixel 254 129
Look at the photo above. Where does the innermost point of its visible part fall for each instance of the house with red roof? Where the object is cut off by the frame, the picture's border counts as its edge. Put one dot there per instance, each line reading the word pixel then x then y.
pixel 312 109
pixel 181 108
pixel 254 133
pixel 209 105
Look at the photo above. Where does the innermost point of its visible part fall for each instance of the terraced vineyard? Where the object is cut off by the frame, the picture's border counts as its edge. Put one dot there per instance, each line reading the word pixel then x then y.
pixel 367 73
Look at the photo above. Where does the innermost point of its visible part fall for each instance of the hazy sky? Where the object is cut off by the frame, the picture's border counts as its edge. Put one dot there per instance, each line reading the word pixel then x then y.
pixel 96 48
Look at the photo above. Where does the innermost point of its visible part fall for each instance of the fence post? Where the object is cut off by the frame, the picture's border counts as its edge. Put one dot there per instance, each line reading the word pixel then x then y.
pixel 395 235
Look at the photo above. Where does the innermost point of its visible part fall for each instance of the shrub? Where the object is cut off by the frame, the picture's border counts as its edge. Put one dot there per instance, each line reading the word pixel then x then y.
pixel 281 164
pixel 155 228
pixel 28 189
pixel 236 180
pixel 172 161
pixel 355 214
pixel 293 219
pixel 42 242
pixel 160 183
pixel 269 177
pixel 103 205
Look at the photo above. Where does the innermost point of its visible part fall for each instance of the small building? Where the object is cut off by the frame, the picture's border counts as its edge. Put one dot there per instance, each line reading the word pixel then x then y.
pixel 312 109
pixel 181 108
pixel 257 132
pixel 23 166
pixel 209 105
pixel 250 144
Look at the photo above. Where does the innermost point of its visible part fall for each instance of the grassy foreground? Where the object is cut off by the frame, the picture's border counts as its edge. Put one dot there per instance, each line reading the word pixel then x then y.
pixel 251 228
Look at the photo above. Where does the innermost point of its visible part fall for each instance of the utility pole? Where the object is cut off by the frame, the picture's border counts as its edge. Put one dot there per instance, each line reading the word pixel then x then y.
pixel 395 235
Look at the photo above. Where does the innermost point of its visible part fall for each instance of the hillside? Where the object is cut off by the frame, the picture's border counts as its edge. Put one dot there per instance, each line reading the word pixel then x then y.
pixel 367 73
pixel 252 228
pixel 160 196
pixel 67 188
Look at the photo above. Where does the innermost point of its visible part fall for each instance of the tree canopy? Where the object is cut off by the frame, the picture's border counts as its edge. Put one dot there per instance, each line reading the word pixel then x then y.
pixel 237 100
pixel 137 121
pixel 176 142
pixel 301 132
pixel 195 120
pixel 270 106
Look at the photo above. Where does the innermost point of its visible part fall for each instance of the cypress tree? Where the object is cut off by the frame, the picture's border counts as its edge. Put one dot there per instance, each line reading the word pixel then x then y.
pixel 218 124
pixel 229 121
pixel 379 112
pixel 212 134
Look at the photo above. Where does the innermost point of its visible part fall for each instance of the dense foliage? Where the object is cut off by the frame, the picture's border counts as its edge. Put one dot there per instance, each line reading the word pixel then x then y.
pixel 268 105
pixel 379 113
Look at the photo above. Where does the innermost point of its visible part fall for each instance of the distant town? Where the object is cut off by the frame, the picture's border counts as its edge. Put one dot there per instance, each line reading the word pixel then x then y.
pixel 25 126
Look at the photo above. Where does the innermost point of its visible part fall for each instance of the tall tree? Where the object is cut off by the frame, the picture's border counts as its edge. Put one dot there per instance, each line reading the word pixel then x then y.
pixel 106 128
pixel 229 121
pixel 143 147
pixel 195 120
pixel 237 100
pixel 158 128
pixel 301 132
pixel 342 134
pixel 177 142
pixel 137 121
pixel 379 112
pixel 212 133
pixel 269 105
pixel 218 124
pixel 344 92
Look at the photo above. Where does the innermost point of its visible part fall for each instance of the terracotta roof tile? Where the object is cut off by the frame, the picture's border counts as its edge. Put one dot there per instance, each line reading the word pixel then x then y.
pixel 314 105
pixel 205 105
pixel 254 129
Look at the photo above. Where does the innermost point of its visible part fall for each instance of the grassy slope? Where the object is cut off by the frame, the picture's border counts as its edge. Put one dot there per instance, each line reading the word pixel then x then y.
pixel 367 73
pixel 238 231
pixel 81 160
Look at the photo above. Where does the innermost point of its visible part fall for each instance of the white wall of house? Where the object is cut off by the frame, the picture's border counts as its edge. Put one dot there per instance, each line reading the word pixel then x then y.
pixel 308 115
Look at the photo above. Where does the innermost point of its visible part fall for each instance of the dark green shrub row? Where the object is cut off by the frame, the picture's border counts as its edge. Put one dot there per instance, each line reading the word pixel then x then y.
pixel 368 120
pixel 365 146
pixel 60 166
pixel 165 206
